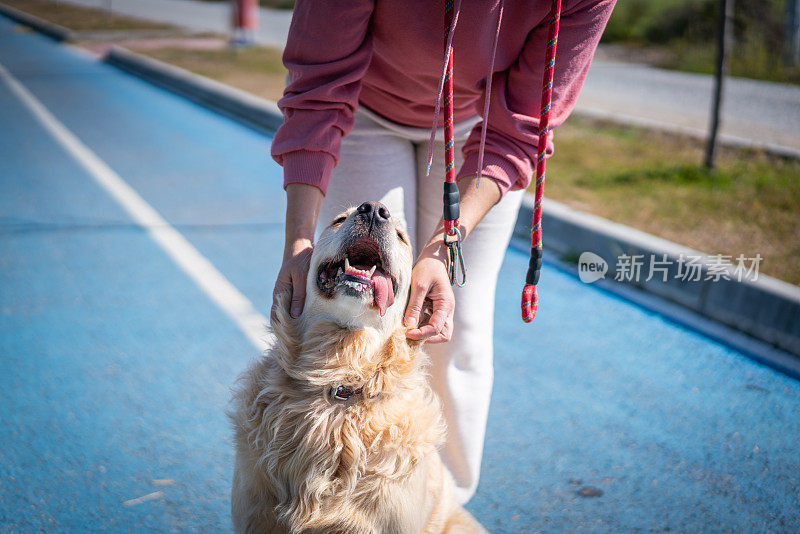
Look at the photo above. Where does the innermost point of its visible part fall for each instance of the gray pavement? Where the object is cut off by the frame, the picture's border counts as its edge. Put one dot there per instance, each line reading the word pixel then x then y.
pixel 762 112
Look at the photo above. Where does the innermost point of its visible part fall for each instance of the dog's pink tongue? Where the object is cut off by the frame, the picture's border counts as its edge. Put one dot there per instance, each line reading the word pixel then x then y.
pixel 382 291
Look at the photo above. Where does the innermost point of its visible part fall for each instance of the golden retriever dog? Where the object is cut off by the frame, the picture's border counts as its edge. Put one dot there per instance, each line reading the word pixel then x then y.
pixel 336 427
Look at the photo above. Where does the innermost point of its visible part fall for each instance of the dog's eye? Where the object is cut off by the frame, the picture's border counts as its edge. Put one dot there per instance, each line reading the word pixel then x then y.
pixel 401 237
pixel 339 220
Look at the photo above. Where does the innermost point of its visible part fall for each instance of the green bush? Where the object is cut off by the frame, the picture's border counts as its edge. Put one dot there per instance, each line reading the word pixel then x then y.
pixel 687 29
pixel 277 4
pixel 662 21
pixel 632 19
pixel 691 21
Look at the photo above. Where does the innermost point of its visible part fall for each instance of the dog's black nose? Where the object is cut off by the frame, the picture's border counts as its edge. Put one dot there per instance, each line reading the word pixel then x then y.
pixel 372 208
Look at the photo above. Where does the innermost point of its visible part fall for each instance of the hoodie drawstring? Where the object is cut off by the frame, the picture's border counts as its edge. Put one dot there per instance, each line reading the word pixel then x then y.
pixel 488 96
pixel 450 24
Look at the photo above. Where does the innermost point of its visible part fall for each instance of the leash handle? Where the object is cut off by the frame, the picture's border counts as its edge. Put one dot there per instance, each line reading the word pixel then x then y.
pixel 530 295
pixel 450 198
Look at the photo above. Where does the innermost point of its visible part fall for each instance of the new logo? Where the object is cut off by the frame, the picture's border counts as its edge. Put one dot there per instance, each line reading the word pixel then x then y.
pixel 591 267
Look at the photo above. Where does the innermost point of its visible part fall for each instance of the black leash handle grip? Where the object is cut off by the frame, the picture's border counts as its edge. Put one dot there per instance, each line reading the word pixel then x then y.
pixel 451 198
pixel 534 266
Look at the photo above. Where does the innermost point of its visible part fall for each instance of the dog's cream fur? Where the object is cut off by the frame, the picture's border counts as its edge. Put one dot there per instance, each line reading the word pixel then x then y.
pixel 308 462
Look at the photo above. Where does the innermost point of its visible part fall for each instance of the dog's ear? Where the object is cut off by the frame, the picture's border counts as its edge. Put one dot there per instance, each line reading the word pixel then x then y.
pixel 398 357
pixel 424 318
pixel 279 313
pixel 282 324
pixel 415 344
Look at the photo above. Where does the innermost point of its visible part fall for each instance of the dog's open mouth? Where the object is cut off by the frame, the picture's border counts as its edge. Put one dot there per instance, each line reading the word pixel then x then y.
pixel 359 273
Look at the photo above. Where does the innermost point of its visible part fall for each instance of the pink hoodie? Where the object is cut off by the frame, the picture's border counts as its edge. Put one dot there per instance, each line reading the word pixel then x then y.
pixel 387 55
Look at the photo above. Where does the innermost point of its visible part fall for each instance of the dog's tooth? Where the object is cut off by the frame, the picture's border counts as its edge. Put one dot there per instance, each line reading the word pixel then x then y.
pixel 339 271
pixel 346 264
pixel 372 271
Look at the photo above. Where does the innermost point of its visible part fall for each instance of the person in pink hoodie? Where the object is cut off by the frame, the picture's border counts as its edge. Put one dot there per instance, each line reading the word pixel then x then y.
pixel 358 107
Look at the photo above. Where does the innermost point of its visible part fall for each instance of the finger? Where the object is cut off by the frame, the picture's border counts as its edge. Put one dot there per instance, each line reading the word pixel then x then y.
pixel 442 310
pixel 437 329
pixel 444 336
pixel 429 333
pixel 422 333
pixel 414 308
pixel 438 338
pixel 283 285
pixel 281 288
pixel 439 317
pixel 298 295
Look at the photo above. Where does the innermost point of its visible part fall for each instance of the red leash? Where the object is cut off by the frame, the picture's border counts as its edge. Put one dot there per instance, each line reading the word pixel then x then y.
pixel 530 295
pixel 451 196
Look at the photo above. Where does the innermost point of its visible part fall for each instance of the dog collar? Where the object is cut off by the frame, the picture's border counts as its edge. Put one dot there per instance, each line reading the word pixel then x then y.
pixel 345 392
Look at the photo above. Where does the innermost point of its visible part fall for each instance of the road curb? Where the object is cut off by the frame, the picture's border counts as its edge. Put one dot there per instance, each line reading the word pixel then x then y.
pixel 766 309
pixel 257 113
pixel 756 349
pixel 54 31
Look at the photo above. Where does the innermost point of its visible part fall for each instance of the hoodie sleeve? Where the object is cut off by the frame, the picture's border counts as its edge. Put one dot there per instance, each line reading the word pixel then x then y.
pixel 327 53
pixel 512 132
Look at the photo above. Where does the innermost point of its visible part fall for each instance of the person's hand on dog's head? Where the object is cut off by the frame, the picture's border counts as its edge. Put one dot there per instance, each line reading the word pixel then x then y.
pixel 292 279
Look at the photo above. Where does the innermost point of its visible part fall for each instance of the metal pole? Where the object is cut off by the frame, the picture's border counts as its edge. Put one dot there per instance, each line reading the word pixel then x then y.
pixel 792 34
pixel 724 43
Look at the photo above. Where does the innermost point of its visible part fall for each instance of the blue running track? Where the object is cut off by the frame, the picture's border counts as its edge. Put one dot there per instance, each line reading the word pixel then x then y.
pixel 115 367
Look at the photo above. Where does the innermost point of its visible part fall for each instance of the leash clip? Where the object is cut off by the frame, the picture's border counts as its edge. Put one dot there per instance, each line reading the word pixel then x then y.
pixel 454 255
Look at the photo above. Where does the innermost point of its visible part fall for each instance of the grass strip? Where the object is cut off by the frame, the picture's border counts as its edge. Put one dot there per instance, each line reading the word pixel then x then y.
pixel 80 19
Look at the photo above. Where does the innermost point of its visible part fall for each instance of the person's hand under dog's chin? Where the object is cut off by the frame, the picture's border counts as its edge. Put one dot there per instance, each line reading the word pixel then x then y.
pixel 430 282
pixel 429 278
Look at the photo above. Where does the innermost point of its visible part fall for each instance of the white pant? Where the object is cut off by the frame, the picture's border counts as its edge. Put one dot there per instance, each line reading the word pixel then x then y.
pixel 384 161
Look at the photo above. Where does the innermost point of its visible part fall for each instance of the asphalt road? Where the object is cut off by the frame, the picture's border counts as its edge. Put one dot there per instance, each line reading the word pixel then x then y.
pixel 139 239
pixel 762 112
pixel 757 111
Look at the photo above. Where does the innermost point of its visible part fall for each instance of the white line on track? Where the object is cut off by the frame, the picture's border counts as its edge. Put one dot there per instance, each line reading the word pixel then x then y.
pixel 205 275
